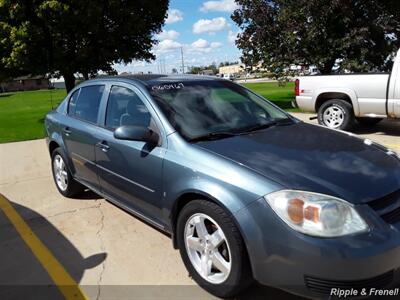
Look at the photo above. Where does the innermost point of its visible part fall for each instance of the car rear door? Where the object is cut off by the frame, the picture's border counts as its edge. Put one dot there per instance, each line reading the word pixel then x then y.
pixel 79 132
pixel 130 172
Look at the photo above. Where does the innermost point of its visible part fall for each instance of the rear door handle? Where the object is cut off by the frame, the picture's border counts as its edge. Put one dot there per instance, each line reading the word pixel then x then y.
pixel 67 131
pixel 103 146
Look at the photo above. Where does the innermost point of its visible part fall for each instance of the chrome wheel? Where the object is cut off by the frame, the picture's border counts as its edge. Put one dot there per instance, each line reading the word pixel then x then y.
pixel 60 172
pixel 333 116
pixel 207 248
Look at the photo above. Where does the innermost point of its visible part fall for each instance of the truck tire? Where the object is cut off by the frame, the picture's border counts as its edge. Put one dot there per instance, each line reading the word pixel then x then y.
pixel 369 121
pixel 336 114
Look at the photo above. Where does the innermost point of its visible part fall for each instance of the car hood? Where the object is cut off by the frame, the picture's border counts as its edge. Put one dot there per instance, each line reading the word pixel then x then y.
pixel 312 158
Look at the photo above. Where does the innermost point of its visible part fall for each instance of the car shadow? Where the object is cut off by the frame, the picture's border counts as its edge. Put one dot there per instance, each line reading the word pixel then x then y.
pixel 21 273
pixel 87 194
pixel 260 292
pixel 385 127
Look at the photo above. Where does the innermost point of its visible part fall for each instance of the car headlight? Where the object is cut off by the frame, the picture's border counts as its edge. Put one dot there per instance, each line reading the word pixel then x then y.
pixel 316 214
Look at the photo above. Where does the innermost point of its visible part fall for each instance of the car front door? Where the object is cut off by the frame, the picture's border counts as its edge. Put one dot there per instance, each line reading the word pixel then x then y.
pixel 79 132
pixel 130 172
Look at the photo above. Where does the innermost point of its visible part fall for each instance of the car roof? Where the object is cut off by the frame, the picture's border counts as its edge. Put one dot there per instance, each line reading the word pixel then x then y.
pixel 151 79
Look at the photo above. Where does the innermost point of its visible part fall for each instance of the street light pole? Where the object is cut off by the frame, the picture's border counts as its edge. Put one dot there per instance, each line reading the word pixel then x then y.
pixel 183 65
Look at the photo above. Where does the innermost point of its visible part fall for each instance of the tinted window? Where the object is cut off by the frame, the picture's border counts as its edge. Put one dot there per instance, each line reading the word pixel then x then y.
pixel 72 103
pixel 125 108
pixel 86 106
pixel 197 108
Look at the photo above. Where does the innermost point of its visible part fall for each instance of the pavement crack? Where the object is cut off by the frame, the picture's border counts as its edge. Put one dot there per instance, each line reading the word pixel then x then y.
pixel 102 247
pixel 71 211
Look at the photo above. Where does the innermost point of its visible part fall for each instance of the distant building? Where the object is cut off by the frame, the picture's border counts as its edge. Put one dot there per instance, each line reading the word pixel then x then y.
pixel 25 83
pixel 232 69
pixel 58 83
pixel 207 72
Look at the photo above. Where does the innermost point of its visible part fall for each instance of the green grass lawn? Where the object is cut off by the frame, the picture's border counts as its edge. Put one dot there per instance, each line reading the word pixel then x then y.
pixel 22 113
pixel 280 95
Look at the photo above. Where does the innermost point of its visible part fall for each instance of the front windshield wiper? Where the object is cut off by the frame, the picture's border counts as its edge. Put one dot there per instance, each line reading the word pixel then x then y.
pixel 261 126
pixel 213 136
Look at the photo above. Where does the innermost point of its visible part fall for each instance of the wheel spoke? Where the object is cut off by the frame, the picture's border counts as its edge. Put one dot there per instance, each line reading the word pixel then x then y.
pixel 216 238
pixel 206 264
pixel 200 227
pixel 220 263
pixel 194 243
pixel 61 164
pixel 58 164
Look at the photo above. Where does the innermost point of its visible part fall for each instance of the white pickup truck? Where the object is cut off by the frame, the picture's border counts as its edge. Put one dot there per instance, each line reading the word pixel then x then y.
pixel 341 100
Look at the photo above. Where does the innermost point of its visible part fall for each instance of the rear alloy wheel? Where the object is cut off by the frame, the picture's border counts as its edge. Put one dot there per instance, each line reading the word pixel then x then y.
pixel 60 172
pixel 212 249
pixel 336 114
pixel 63 179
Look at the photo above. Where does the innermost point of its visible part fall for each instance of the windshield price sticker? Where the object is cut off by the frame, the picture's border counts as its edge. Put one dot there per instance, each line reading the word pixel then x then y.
pixel 348 293
pixel 169 86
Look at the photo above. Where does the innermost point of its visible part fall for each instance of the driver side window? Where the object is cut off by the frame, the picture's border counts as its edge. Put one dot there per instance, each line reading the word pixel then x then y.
pixel 124 107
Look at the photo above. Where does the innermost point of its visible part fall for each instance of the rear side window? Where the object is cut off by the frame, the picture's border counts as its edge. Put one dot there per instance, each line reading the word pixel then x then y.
pixel 72 102
pixel 126 108
pixel 85 104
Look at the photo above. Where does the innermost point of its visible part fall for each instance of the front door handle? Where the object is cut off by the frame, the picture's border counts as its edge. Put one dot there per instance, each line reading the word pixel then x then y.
pixel 103 146
pixel 67 131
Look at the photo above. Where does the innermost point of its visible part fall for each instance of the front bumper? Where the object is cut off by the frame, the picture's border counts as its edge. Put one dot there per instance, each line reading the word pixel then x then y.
pixel 310 266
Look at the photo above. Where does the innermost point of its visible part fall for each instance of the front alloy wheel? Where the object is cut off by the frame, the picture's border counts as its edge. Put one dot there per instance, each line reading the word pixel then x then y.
pixel 207 248
pixel 212 249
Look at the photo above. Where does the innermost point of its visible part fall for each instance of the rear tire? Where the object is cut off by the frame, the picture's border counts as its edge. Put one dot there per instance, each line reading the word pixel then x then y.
pixel 336 114
pixel 369 121
pixel 65 183
pixel 197 222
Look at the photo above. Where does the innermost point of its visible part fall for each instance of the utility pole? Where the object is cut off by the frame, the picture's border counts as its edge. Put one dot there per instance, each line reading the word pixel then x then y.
pixel 183 65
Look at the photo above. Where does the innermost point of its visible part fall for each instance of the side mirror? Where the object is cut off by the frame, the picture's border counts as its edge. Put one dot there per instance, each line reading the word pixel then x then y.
pixel 136 133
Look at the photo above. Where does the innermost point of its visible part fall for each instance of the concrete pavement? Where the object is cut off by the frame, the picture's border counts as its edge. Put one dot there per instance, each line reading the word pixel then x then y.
pixel 109 253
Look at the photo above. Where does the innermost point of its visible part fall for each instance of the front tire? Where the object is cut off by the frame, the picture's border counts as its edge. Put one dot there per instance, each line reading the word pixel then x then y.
pixel 212 249
pixel 336 114
pixel 63 179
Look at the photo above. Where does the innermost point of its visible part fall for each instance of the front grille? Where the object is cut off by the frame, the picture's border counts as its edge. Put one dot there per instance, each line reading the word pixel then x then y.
pixel 388 207
pixel 392 217
pixel 385 201
pixel 324 286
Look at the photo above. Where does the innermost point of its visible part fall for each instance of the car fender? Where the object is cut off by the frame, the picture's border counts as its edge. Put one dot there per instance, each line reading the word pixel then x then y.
pixel 201 188
pixel 349 92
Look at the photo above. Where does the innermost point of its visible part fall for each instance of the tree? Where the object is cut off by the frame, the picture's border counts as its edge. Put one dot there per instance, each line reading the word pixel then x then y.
pixel 358 35
pixel 75 36
pixel 174 71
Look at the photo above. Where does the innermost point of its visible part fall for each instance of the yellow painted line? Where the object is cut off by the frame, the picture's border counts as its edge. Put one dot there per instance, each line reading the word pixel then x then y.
pixel 65 283
pixel 392 145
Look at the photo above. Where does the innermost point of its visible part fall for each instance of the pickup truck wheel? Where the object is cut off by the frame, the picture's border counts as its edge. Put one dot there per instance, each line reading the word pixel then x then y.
pixel 336 114
pixel 63 179
pixel 369 121
pixel 212 249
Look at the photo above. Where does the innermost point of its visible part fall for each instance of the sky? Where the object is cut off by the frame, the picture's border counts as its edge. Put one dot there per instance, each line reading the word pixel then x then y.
pixel 204 31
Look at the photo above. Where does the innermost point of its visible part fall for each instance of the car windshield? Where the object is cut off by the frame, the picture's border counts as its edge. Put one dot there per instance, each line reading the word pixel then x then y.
pixel 202 109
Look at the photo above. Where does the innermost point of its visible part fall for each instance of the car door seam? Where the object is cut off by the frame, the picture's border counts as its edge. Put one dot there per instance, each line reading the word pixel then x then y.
pixel 113 173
